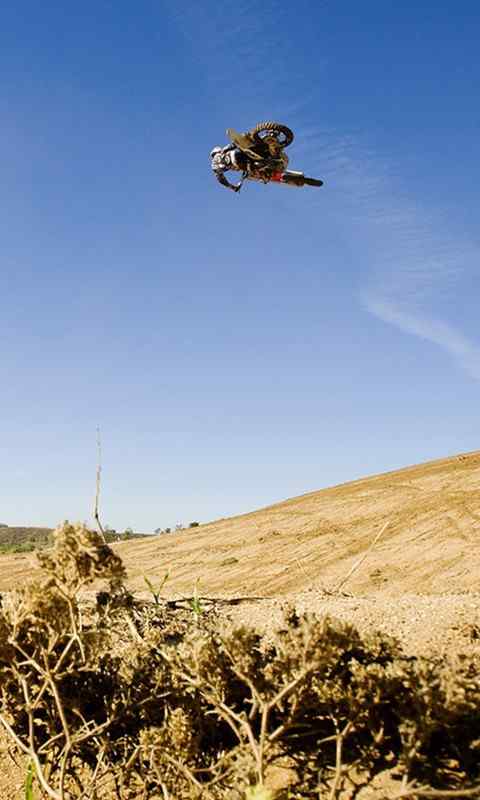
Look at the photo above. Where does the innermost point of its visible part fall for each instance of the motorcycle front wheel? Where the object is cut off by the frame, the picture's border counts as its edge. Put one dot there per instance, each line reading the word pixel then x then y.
pixel 283 135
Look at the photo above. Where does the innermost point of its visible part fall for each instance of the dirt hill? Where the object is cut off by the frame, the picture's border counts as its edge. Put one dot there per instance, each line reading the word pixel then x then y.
pixel 430 544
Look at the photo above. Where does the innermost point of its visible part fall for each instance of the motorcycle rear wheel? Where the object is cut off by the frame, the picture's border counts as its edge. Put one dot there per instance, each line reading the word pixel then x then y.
pixel 283 134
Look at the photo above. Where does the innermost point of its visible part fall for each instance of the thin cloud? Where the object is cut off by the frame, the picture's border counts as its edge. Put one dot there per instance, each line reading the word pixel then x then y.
pixel 248 58
pixel 413 259
pixel 419 268
pixel 465 352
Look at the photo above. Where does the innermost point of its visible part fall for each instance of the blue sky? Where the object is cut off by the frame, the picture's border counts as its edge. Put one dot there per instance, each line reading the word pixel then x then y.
pixel 234 350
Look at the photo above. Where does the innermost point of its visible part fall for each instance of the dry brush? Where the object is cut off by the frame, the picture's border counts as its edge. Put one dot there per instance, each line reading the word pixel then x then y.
pixel 114 697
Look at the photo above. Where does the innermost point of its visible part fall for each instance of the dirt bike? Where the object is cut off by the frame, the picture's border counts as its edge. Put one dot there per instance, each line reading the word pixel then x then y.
pixel 266 160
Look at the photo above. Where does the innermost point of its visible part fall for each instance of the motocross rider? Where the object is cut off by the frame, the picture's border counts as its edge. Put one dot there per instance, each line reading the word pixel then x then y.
pixel 226 158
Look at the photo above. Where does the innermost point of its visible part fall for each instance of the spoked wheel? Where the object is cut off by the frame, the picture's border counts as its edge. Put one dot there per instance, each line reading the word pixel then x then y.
pixel 283 135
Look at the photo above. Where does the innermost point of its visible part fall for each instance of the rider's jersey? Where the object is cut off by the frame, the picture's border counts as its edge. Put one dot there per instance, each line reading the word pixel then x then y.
pixel 228 158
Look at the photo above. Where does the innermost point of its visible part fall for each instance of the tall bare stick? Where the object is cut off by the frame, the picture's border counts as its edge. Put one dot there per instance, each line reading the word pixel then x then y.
pixel 362 559
pixel 97 491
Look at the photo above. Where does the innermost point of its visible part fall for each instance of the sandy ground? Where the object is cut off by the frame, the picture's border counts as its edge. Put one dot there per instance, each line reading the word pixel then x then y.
pixel 396 552
pixel 12 777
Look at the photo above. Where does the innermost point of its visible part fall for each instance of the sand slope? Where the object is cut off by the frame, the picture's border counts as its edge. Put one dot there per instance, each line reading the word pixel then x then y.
pixel 430 545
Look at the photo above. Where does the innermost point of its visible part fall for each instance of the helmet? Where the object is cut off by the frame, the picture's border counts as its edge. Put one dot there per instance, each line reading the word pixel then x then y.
pixel 215 151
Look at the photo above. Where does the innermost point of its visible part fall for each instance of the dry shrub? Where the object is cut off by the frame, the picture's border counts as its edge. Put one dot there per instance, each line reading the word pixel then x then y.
pixel 120 699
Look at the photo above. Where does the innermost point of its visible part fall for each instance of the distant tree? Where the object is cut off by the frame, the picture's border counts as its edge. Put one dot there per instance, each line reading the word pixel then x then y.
pixel 128 533
pixel 194 525
pixel 158 530
pixel 3 525
pixel 179 526
pixel 168 530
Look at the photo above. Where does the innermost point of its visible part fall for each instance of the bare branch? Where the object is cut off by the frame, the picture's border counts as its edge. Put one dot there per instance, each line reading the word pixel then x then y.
pixel 334 792
pixel 98 482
